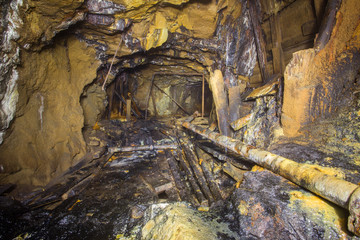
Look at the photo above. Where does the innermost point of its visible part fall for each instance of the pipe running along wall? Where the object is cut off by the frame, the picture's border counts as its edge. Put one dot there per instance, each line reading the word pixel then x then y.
pixel 336 190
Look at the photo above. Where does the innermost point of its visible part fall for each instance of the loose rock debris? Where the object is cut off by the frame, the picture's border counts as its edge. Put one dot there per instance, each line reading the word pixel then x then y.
pixel 130 188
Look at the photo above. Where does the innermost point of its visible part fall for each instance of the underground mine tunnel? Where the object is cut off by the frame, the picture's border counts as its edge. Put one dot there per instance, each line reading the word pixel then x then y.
pixel 180 119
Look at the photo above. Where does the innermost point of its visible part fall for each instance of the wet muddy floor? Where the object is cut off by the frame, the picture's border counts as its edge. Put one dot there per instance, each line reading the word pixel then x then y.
pixel 153 180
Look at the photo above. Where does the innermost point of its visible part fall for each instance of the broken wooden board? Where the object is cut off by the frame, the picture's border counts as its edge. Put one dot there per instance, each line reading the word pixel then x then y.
pixel 265 90
pixel 241 122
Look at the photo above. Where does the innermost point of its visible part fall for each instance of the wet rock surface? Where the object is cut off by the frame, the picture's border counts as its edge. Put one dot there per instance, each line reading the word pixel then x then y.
pixel 268 205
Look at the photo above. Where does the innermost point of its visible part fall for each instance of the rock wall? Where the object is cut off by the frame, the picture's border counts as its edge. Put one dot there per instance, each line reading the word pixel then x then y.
pixel 318 83
pixel 46 137
pixel 10 23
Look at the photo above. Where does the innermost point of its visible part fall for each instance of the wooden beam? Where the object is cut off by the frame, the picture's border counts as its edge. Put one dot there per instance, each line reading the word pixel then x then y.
pixel 128 110
pixel 216 84
pixel 327 24
pixel 277 50
pixel 259 39
pixel 148 96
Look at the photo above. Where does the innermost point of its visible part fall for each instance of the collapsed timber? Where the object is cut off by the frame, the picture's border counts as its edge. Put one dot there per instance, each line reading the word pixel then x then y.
pixel 336 190
pixel 132 167
pixel 137 166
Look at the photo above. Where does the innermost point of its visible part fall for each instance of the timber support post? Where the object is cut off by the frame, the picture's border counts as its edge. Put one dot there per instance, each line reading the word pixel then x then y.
pixel 259 39
pixel 327 24
pixel 216 83
pixel 336 190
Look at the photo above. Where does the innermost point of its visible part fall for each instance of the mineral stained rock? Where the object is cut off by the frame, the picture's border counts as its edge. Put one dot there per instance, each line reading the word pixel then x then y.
pixel 177 221
pixel 316 83
pixel 282 209
pixel 47 135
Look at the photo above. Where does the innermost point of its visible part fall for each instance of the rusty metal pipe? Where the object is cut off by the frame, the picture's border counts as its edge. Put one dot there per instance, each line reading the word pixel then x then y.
pixel 336 190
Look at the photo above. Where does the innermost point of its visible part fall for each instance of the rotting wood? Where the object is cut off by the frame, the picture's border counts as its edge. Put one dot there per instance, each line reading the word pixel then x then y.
pixel 111 97
pixel 123 100
pixel 75 190
pixel 148 96
pixel 214 188
pixel 194 163
pixel 163 187
pixel 223 157
pixel 216 83
pixel 154 104
pixel 185 165
pixel 259 40
pixel 112 62
pixel 149 187
pixel 203 96
pixel 234 103
pixel 128 110
pixel 142 148
pixel 277 50
pixel 241 122
pixel 336 190
pixel 269 88
pixel 234 172
pixel 175 171
pixel 172 99
pixel 134 108
pixel 327 24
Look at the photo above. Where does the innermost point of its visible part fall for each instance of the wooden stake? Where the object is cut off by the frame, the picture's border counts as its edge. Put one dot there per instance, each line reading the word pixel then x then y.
pixel 112 62
pixel 154 104
pixel 203 97
pixel 148 96
pixel 128 109
pixel 259 39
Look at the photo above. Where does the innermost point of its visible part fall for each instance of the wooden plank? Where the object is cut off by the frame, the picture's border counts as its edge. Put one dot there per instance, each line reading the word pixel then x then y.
pixel 188 149
pixel 204 159
pixel 181 187
pixel 148 96
pixel 259 39
pixel 327 24
pixel 216 84
pixel 128 110
pixel 185 165
pixel 277 51
pixel 154 104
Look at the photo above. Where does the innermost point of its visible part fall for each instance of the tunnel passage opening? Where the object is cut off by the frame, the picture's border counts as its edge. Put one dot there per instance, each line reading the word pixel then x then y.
pixel 164 94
